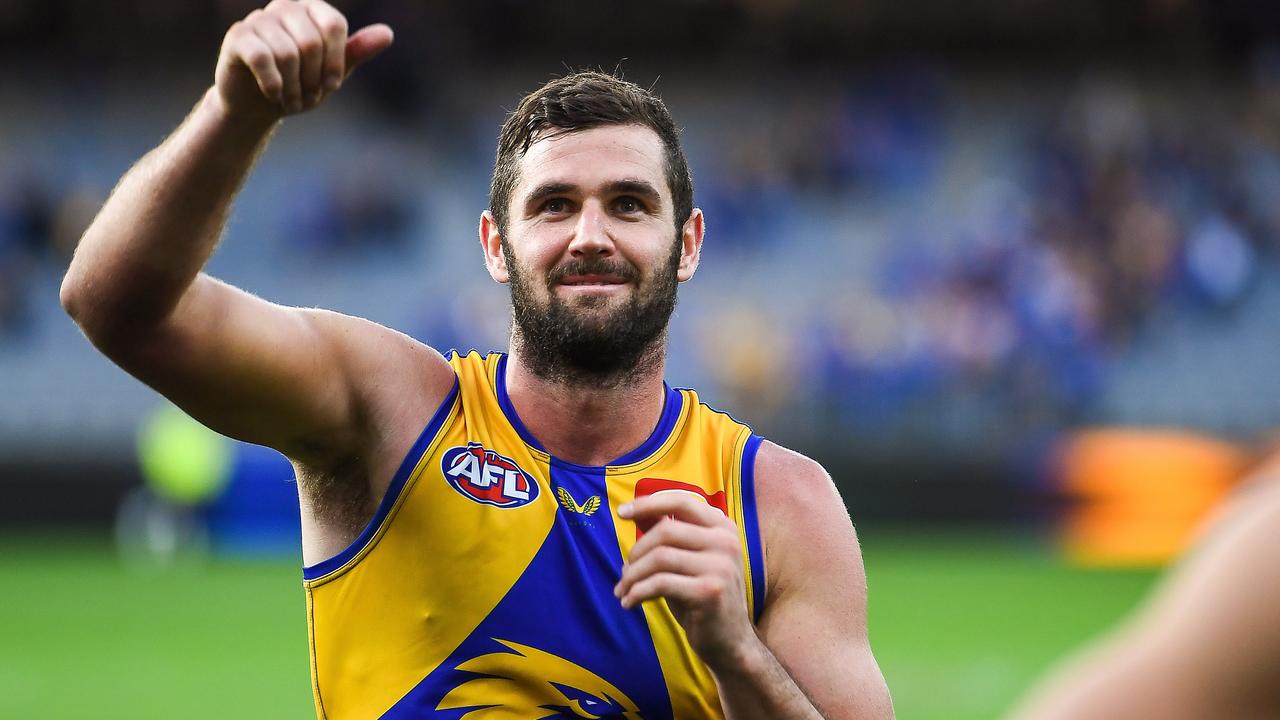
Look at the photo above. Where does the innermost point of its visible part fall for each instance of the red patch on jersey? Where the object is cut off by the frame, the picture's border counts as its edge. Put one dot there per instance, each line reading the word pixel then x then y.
pixel 650 486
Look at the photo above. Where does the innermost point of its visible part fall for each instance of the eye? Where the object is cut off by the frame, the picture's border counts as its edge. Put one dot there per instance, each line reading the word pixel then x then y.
pixel 627 204
pixel 555 205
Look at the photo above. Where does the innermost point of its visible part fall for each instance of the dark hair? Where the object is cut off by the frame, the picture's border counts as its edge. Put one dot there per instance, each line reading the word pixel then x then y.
pixel 582 101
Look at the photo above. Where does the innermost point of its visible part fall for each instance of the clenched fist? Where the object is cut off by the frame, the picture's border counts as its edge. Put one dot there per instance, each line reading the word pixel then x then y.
pixel 287 57
pixel 691 555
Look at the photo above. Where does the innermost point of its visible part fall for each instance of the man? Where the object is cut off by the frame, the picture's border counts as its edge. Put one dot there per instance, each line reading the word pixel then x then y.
pixel 567 537
pixel 1206 645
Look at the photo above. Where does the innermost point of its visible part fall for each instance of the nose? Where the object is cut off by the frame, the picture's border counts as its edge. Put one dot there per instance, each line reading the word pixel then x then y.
pixel 591 235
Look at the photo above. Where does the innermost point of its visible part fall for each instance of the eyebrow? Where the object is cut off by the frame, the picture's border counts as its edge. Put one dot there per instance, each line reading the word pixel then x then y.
pixel 548 189
pixel 641 188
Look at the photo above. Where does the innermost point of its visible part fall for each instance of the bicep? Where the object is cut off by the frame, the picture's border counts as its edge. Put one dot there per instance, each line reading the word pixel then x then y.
pixel 815 620
pixel 257 371
pixel 820 638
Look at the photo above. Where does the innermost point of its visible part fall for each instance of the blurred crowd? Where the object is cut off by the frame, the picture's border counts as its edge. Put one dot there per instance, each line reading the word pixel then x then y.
pixel 1114 204
pixel 1088 213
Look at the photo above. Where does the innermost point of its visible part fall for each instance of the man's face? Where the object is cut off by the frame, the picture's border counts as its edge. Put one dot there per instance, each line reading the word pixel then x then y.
pixel 592 254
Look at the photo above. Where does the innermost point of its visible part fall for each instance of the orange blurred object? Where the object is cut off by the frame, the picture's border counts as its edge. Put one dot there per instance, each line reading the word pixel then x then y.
pixel 1140 494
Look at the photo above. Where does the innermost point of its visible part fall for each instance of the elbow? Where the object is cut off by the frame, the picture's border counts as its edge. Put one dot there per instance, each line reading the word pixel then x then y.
pixel 74 294
pixel 78 300
pixel 71 295
pixel 113 320
pixel 87 308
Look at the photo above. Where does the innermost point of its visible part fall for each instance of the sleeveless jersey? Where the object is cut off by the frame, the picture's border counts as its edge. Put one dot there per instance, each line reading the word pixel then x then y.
pixel 483 586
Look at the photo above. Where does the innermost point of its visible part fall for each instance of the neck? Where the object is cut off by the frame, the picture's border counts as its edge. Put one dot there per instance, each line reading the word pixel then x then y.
pixel 587 423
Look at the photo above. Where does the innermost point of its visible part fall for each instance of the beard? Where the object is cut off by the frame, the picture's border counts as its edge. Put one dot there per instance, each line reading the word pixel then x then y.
pixel 574 346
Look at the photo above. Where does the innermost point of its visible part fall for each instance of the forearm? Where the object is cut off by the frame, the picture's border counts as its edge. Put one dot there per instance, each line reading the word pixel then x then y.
pixel 846 685
pixel 755 686
pixel 162 222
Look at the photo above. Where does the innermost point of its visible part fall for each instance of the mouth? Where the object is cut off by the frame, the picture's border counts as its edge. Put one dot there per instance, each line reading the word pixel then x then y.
pixel 593 281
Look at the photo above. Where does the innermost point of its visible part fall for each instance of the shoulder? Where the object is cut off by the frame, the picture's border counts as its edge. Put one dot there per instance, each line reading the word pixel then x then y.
pixel 800 509
pixel 356 333
pixel 371 347
pixel 789 483
pixel 395 380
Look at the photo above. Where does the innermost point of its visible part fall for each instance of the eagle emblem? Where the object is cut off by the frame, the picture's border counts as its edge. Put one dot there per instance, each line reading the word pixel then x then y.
pixel 526 682
pixel 568 503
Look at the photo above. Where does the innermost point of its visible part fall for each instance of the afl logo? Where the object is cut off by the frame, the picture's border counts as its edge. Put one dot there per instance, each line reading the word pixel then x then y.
pixel 486 477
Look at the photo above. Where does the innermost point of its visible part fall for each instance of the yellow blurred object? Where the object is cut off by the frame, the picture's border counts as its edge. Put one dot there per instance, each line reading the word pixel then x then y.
pixel 1140 494
pixel 182 461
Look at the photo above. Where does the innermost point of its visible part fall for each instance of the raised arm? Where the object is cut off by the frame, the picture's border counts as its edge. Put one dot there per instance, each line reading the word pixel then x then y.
pixel 293 379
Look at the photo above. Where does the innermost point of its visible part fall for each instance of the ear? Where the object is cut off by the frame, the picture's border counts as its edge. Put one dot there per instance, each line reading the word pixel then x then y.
pixel 691 245
pixel 491 243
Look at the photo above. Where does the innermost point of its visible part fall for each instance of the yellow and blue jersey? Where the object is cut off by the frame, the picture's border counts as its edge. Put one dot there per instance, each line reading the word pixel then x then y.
pixel 483 586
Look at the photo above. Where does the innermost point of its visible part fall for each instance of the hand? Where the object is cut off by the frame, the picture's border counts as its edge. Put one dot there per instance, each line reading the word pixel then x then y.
pixel 691 554
pixel 286 58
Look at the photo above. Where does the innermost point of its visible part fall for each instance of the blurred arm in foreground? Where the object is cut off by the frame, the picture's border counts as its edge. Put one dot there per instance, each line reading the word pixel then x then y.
pixel 1205 645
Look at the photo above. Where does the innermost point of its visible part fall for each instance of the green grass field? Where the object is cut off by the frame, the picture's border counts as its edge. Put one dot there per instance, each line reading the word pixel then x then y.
pixel 961 625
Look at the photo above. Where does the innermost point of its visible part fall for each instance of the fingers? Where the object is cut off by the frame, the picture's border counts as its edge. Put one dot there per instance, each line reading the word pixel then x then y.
pixel 366 44
pixel 681 589
pixel 287 61
pixel 711 553
pixel 682 505
pixel 310 44
pixel 333 28
pixel 680 534
pixel 297 51
pixel 634 585
pixel 260 59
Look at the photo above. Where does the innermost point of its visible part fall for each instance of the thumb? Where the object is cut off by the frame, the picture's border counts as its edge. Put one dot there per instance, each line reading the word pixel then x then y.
pixel 367 43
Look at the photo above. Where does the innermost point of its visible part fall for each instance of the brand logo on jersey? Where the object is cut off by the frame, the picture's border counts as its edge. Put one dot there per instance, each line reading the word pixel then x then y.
pixel 523 681
pixel 568 503
pixel 486 477
pixel 657 486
